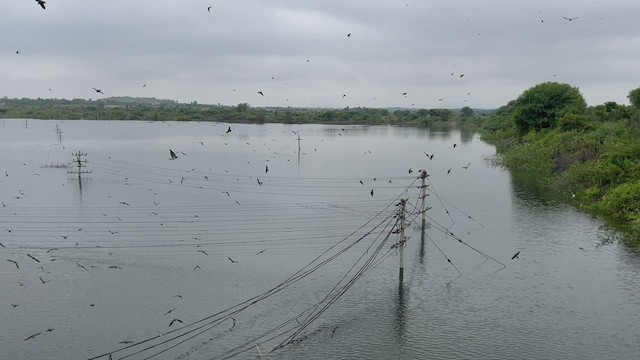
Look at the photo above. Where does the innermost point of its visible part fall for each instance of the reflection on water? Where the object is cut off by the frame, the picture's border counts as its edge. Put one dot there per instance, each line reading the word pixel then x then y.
pixel 212 228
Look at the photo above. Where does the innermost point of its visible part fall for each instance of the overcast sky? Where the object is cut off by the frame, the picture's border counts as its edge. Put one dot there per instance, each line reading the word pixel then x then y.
pixel 298 54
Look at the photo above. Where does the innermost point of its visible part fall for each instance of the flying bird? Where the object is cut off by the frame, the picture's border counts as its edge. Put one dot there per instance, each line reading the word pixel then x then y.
pixel 229 130
pixel 454 145
pixel 371 192
pixel 349 35
pixel 515 256
pixel 344 95
pixel 232 261
pixel 570 19
pixel 259 182
pixel 174 320
pixel 169 312
pixel 15 262
pixel 33 336
pixel 41 3
pixel 261 93
pixel 98 90
pixel 448 171
pixel 173 155
pixel 43 282
pixel 31 256
pixel 466 167
pixel 461 75
pixel 209 8
pixel 410 171
pixel 202 251
pixel 266 169
pixel 261 251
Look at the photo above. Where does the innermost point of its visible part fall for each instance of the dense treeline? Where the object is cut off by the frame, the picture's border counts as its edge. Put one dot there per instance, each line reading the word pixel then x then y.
pixel 159 110
pixel 590 154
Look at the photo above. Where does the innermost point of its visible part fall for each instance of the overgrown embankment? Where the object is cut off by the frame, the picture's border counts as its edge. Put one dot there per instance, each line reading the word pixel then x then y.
pixel 590 155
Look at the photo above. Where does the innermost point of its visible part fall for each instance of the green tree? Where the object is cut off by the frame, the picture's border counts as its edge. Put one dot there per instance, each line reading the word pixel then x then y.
pixel 242 107
pixel 542 105
pixel 466 112
pixel 634 97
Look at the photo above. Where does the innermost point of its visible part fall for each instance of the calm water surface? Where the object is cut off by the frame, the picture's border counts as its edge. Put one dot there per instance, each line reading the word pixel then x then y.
pixel 144 235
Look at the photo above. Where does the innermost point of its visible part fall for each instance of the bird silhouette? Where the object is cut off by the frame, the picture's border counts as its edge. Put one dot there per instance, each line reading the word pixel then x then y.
pixel 31 256
pixel 261 251
pixel 259 182
pixel 112 232
pixel 410 171
pixel 454 145
pixel 114 267
pixel 123 203
pixel 266 169
pixel 126 342
pixel 202 251
pixel 349 35
pixel 448 171
pixel 466 167
pixel 197 267
pixel 232 261
pixel 173 155
pixel 229 130
pixel 169 312
pixel 261 93
pixel 43 282
pixel 98 90
pixel 226 192
pixel 361 183
pixel 41 3
pixel 515 256
pixel 344 95
pixel 175 320
pixel 570 19
pixel 33 336
pixel 209 8
pixel 15 262
pixel 371 192
pixel 333 331
pixel 461 75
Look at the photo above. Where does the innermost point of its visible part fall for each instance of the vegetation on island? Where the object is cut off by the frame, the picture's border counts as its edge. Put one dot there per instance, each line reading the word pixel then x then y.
pixel 590 154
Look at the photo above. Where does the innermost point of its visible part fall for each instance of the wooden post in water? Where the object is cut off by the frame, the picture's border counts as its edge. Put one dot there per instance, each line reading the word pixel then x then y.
pixel 401 242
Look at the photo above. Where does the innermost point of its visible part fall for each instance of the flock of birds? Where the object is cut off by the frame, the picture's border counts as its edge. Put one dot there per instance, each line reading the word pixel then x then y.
pixel 173 156
pixel 348 35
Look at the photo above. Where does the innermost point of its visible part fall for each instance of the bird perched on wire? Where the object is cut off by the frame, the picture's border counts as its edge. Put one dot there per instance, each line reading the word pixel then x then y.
pixel 173 155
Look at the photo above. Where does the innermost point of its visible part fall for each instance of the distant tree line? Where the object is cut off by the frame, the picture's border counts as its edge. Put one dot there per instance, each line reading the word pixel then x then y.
pixel 150 109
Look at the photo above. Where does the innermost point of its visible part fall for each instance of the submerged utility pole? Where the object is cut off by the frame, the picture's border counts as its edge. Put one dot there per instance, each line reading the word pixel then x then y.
pixel 423 209
pixel 401 241
pixel 80 163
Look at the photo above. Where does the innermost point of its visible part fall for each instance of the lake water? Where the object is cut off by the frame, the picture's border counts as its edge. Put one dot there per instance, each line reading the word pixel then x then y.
pixel 102 260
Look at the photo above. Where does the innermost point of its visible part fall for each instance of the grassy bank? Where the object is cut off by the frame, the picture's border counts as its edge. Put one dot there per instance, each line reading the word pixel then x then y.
pixel 592 159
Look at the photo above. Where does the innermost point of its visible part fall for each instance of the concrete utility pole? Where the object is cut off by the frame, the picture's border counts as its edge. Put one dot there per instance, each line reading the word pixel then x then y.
pixel 423 209
pixel 299 149
pixel 80 163
pixel 401 241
